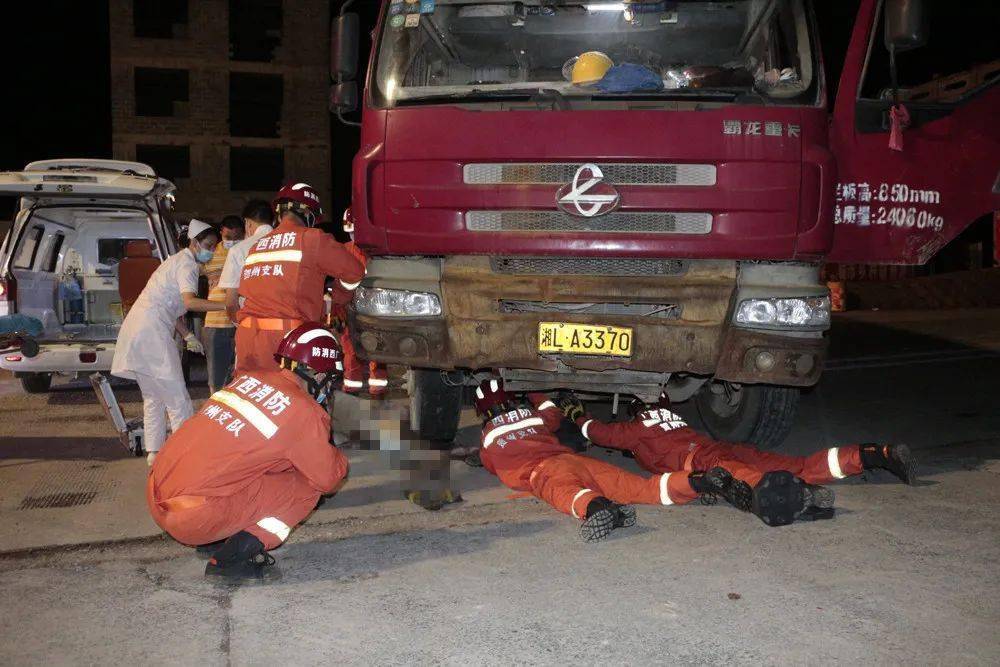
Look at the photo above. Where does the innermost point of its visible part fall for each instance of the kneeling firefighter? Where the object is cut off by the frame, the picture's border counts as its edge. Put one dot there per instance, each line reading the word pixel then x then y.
pixel 254 461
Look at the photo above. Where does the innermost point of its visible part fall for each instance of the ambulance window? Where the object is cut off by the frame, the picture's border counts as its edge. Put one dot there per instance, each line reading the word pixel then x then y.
pixel 54 248
pixel 29 248
pixel 962 54
pixel 111 251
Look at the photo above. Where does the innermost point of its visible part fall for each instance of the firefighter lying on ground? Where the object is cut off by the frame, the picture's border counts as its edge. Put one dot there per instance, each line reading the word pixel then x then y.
pixel 254 461
pixel 773 486
pixel 518 445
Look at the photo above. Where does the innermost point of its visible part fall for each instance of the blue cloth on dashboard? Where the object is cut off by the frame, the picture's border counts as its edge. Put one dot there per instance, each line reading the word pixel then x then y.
pixel 629 77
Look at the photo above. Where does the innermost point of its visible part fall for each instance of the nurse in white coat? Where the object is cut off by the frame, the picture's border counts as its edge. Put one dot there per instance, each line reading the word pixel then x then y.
pixel 146 351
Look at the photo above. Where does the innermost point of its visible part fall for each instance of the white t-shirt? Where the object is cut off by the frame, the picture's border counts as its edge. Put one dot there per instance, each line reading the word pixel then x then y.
pixel 233 269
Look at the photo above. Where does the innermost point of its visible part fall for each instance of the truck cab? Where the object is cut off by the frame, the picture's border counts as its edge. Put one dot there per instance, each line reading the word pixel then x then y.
pixel 59 261
pixel 662 228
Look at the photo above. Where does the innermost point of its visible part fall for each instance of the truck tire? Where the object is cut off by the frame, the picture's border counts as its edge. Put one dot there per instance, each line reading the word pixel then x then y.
pixel 760 415
pixel 435 406
pixel 36 383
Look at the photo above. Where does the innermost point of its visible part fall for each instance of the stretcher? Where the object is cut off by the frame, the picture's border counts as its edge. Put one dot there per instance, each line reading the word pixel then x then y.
pixel 129 432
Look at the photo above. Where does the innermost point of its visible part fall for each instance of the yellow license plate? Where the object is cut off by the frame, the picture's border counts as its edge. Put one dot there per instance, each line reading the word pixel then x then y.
pixel 585 339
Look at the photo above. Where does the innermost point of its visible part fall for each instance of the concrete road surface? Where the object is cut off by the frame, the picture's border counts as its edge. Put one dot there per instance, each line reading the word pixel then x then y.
pixel 901 575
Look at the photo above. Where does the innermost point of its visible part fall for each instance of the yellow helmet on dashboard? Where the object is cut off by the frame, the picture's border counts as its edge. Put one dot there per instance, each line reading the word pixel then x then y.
pixel 590 67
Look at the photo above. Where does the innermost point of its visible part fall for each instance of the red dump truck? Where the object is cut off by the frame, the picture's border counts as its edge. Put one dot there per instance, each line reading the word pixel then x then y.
pixel 663 226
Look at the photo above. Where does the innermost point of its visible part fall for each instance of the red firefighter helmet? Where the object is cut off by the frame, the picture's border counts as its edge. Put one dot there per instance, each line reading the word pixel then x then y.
pixel 491 397
pixel 348 221
pixel 637 407
pixel 301 199
pixel 314 354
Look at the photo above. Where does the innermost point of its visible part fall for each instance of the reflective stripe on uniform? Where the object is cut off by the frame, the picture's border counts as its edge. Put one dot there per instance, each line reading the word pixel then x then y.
pixel 376 382
pixel 584 428
pixel 269 323
pixel 248 411
pixel 353 383
pixel 350 286
pixel 276 527
pixel 274 256
pixel 507 428
pixel 665 498
pixel 833 461
pixel 546 405
pixel 572 505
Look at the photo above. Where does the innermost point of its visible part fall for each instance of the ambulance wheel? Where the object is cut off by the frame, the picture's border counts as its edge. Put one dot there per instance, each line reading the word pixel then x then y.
pixel 435 403
pixel 761 415
pixel 36 383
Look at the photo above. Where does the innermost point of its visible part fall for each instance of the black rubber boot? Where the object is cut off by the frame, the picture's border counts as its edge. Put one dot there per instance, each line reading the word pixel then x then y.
pixel 897 459
pixel 720 482
pixel 241 558
pixel 603 516
pixel 208 550
pixel 780 498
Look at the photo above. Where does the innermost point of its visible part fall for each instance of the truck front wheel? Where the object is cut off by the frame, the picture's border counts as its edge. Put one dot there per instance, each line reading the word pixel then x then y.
pixel 35 383
pixel 761 415
pixel 435 403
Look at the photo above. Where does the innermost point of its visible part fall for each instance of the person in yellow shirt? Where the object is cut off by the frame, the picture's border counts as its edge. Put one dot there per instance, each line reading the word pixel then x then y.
pixel 219 333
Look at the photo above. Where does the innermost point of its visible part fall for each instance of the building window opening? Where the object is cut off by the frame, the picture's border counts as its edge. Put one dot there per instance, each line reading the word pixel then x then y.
pixel 254 29
pixel 160 19
pixel 161 92
pixel 254 105
pixel 170 162
pixel 256 169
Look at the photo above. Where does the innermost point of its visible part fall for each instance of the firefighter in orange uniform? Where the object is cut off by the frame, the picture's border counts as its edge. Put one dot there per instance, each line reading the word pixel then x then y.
pixel 518 445
pixel 254 461
pixel 354 370
pixel 661 442
pixel 284 274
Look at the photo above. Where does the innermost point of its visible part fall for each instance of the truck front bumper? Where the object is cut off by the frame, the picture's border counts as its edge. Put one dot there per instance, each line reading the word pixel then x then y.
pixel 474 331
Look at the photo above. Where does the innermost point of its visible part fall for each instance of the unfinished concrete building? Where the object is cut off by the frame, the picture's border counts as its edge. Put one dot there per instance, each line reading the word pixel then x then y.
pixel 226 98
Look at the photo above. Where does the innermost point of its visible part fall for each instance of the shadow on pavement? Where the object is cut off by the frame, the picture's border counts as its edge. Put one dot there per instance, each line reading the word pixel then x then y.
pixel 354 559
pixel 65 448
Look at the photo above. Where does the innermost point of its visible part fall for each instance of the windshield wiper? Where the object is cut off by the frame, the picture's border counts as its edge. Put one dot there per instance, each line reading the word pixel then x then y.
pixel 477 95
pixel 742 95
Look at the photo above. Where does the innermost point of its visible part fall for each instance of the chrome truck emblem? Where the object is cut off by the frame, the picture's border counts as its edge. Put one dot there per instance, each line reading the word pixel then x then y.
pixel 588 195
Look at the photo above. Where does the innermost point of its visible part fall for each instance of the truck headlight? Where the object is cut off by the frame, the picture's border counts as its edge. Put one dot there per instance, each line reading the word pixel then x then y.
pixel 395 302
pixel 790 313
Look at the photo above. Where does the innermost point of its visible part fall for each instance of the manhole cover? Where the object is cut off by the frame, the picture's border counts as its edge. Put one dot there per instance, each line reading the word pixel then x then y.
pixel 58 500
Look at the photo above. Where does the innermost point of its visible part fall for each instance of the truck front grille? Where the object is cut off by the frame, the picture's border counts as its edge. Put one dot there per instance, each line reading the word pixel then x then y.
pixel 667 311
pixel 616 173
pixel 618 222
pixel 587 266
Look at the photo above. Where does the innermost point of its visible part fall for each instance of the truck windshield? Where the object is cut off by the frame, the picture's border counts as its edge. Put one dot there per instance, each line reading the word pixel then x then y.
pixel 479 51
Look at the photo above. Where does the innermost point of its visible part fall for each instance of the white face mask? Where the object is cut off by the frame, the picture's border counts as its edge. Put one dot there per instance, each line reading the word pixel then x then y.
pixel 229 243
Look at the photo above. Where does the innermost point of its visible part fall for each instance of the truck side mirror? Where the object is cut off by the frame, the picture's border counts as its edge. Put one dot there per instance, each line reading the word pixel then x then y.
pixel 905 24
pixel 343 97
pixel 344 38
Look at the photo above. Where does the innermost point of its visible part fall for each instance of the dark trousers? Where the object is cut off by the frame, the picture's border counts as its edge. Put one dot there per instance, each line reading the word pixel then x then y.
pixel 220 353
